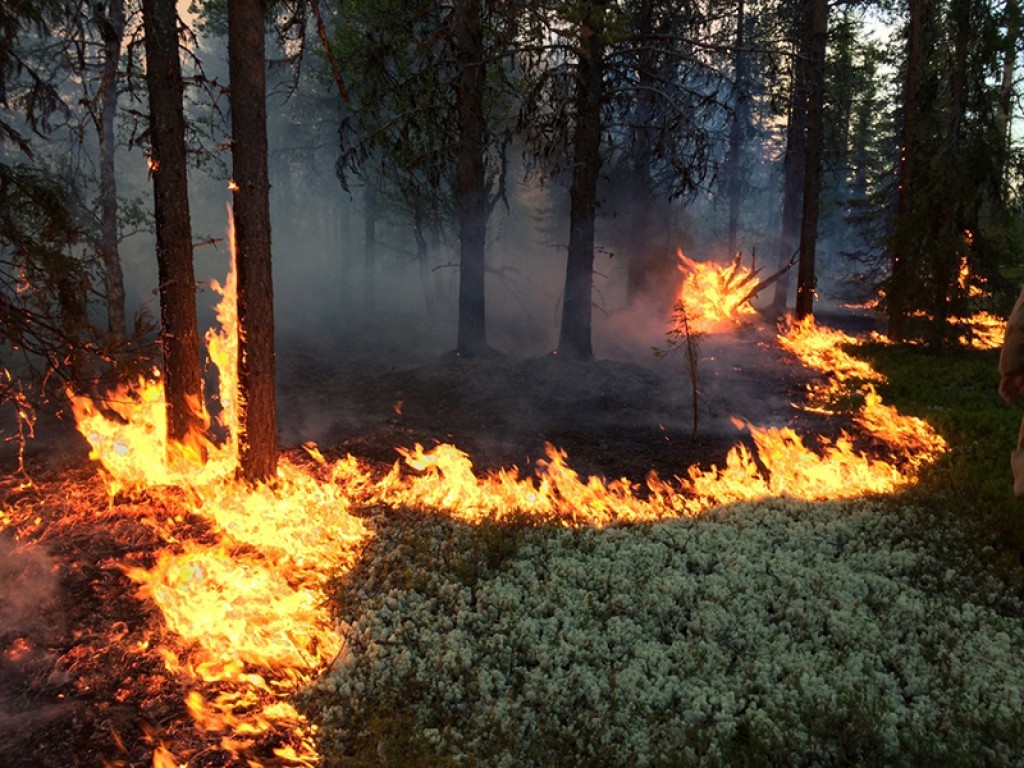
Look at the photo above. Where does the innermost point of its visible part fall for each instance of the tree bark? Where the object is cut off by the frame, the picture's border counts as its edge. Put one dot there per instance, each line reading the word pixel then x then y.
pixel 112 34
pixel 899 280
pixel 370 246
pixel 641 199
pixel 471 189
pixel 737 130
pixel 793 179
pixel 179 337
pixel 575 337
pixel 257 438
pixel 817 35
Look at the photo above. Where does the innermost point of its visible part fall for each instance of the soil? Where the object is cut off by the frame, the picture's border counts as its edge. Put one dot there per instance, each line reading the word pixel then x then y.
pixel 79 683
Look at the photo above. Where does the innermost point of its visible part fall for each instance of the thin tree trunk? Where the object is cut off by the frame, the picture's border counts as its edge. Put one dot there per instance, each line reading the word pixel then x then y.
pixel 640 202
pixel 806 278
pixel 737 129
pixel 899 281
pixel 179 337
pixel 370 247
pixel 112 33
pixel 257 429
pixel 793 182
pixel 471 191
pixel 575 338
pixel 1006 87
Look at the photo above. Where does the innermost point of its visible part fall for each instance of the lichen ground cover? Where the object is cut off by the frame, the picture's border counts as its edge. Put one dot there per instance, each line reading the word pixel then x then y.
pixel 767 633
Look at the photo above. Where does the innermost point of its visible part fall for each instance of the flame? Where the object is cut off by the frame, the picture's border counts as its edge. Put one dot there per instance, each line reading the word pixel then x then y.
pixel 244 604
pixel 714 297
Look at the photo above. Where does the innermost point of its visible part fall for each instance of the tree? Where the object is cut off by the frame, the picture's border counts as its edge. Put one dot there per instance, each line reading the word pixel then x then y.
pixel 814 47
pixel 574 340
pixel 179 336
pixel 111 26
pixel 257 429
pixel 428 103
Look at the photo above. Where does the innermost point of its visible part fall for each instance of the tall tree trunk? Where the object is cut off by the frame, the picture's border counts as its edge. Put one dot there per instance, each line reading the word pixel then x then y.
pixel 737 130
pixel 946 251
pixel 793 179
pixel 179 337
pixel 817 35
pixel 257 429
pixel 899 281
pixel 112 34
pixel 575 338
pixel 471 191
pixel 370 247
pixel 641 199
pixel 1006 86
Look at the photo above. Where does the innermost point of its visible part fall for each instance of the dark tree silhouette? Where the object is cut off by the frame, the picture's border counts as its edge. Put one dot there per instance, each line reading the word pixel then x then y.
pixel 178 333
pixel 257 436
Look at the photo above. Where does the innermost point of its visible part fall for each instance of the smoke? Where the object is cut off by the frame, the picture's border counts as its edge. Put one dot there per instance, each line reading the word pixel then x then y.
pixel 28 584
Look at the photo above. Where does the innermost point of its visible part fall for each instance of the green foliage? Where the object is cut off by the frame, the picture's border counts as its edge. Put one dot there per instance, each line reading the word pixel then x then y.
pixel 955 391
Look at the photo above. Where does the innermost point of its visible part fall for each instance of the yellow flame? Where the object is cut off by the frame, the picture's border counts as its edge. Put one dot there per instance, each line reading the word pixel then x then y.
pixel 715 297
pixel 246 605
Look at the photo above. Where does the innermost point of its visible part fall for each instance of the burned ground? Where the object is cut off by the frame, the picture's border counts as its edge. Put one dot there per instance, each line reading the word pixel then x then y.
pixel 80 681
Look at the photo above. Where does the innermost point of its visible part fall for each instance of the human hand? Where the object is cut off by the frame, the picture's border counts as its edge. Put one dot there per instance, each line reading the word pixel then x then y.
pixel 1011 387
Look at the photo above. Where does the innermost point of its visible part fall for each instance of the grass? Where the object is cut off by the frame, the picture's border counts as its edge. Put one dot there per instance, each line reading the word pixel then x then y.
pixel 955 391
pixel 461 578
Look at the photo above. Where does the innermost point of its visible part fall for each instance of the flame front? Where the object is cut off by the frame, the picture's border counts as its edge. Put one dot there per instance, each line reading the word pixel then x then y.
pixel 245 602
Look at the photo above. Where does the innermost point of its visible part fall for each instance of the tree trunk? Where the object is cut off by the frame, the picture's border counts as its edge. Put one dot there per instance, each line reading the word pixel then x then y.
pixel 899 281
pixel 641 199
pixel 112 33
pixel 737 130
pixel 1006 86
pixel 945 254
pixel 793 182
pixel 575 338
pixel 370 247
pixel 257 429
pixel 817 35
pixel 179 337
pixel 471 190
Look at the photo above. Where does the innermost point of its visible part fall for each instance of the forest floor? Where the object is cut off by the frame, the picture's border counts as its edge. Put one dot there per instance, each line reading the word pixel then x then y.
pixel 80 683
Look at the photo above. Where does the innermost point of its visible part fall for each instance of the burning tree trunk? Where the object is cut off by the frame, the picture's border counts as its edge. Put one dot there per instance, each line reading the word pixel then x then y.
pixel 112 32
pixel 817 34
pixel 471 189
pixel 575 337
pixel 183 387
pixel 257 438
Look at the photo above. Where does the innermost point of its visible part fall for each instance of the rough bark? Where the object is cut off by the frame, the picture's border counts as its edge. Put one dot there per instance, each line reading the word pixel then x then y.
pixel 471 189
pixel 817 35
pixel 257 436
pixel 575 336
pixel 183 389
pixel 899 280
pixel 737 130
pixel 112 34
pixel 793 179
pixel 640 197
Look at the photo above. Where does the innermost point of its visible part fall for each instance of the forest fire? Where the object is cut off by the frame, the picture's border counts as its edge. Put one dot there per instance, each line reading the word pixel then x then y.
pixel 243 605
pixel 715 297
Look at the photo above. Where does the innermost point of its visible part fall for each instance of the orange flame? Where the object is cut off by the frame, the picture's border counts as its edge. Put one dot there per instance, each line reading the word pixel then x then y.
pixel 715 297
pixel 247 607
